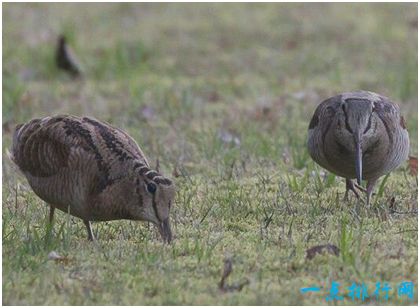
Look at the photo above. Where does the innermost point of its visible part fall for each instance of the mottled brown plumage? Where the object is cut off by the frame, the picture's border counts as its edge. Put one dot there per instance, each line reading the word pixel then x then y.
pixel 358 135
pixel 92 170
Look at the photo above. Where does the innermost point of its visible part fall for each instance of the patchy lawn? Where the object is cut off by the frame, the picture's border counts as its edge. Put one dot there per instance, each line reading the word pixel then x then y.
pixel 222 95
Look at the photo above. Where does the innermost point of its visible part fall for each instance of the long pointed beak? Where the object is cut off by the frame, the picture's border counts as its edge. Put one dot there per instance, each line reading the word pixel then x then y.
pixel 358 163
pixel 165 230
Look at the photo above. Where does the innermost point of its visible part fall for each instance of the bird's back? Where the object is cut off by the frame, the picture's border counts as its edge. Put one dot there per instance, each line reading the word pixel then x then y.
pixel 65 158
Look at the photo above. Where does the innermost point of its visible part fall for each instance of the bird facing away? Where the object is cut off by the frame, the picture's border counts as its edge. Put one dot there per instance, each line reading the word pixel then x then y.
pixel 66 59
pixel 91 170
pixel 358 135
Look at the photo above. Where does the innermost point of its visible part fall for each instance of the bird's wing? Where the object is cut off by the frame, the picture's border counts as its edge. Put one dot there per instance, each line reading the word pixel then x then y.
pixel 389 113
pixel 42 147
pixel 39 148
pixel 115 142
pixel 319 126
pixel 324 113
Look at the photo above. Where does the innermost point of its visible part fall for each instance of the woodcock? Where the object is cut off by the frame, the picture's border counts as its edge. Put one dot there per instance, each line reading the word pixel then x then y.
pixel 358 135
pixel 65 58
pixel 93 171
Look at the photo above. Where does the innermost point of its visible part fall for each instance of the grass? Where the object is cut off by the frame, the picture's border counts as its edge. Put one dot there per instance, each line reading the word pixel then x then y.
pixel 185 80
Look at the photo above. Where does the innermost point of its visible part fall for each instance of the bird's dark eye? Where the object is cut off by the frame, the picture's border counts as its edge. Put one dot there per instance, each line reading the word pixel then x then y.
pixel 151 188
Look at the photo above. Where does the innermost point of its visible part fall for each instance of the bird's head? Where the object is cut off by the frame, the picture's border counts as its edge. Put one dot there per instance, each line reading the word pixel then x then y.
pixel 356 125
pixel 155 196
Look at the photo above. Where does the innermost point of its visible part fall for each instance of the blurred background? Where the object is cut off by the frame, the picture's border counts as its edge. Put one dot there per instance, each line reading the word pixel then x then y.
pixel 210 67
pixel 222 94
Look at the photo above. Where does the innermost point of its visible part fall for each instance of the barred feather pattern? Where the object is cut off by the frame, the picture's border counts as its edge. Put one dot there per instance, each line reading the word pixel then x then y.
pixel 89 168
pixel 385 145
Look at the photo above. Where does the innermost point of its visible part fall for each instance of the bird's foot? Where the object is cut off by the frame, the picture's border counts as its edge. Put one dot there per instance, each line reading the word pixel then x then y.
pixel 91 236
pixel 350 185
pixel 359 187
pixel 369 190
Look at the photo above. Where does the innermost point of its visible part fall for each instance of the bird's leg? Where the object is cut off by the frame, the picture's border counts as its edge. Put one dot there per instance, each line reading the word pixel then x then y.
pixel 350 186
pixel 49 225
pixel 369 189
pixel 91 237
pixel 52 209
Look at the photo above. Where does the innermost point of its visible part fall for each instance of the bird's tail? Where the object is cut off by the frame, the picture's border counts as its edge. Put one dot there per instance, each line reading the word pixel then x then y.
pixel 11 152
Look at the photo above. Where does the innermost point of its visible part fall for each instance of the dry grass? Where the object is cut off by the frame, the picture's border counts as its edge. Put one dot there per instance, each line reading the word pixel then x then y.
pixel 221 93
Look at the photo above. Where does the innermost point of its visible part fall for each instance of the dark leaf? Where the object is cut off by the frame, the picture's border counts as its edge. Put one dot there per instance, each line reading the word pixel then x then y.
pixel 321 249
pixel 412 164
pixel 392 205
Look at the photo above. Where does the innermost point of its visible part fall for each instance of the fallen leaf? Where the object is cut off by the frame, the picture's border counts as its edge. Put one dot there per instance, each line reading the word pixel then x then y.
pixel 320 249
pixel 412 164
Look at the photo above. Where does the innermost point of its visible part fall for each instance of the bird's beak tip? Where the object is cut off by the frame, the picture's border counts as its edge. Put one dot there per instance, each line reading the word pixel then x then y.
pixel 165 231
pixel 358 162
